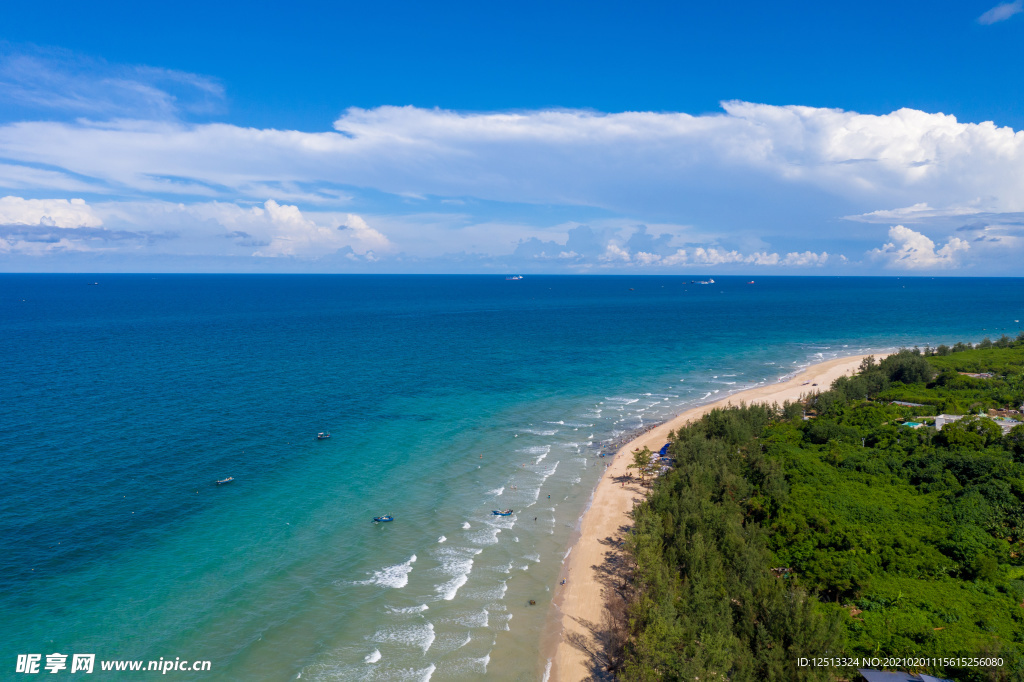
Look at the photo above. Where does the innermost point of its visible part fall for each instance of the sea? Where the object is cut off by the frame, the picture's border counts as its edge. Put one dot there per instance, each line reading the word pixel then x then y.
pixel 124 398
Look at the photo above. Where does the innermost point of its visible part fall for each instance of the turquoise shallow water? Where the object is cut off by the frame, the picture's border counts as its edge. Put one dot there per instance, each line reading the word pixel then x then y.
pixel 447 397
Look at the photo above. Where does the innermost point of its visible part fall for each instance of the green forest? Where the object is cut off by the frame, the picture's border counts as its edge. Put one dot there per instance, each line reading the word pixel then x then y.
pixel 841 526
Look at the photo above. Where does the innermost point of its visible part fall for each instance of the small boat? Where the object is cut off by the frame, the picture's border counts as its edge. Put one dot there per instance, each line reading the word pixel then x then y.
pixel 225 480
pixel 323 435
pixel 503 512
pixel 93 284
pixel 383 519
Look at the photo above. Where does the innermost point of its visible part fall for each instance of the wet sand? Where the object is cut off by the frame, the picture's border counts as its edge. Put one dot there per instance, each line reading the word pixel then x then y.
pixel 579 604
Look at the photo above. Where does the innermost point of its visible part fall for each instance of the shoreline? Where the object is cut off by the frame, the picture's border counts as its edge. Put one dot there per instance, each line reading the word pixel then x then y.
pixel 578 608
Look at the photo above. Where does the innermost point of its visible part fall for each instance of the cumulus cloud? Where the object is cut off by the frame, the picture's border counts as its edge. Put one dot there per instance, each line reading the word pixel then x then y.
pixel 630 162
pixel 49 212
pixel 805 258
pixel 914 251
pixel 274 229
pixel 39 227
pixel 795 168
pixel 613 252
pixel 1001 12
pixel 710 255
pixel 293 234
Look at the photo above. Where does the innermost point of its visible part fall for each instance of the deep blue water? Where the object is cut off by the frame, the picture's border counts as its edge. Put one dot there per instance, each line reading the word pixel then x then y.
pixel 121 403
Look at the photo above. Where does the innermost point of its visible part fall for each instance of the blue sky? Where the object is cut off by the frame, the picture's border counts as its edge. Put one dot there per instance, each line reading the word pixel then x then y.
pixel 800 138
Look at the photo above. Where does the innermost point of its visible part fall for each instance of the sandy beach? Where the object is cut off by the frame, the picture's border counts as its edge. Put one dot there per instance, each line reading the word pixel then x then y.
pixel 579 603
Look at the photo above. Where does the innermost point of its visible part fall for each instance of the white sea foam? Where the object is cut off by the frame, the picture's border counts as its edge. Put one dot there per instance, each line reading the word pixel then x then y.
pixel 547 672
pixel 407 609
pixel 541 432
pixel 536 450
pixel 502 589
pixel 476 619
pixel 427 673
pixel 465 525
pixel 548 471
pixel 458 563
pixel 496 491
pixel 442 539
pixel 473 665
pixel 535 558
pixel 374 657
pixel 448 590
pixel 421 636
pixel 448 642
pixel 396 576
pixel 505 617
pixel 485 536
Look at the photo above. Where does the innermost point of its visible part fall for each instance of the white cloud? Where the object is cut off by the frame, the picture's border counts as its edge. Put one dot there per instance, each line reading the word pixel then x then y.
pixel 712 256
pixel 763 258
pixel 715 256
pixel 613 252
pixel 628 162
pixel 805 258
pixel 293 234
pixel 47 212
pixel 58 81
pixel 1001 12
pixel 914 251
pixel 795 168
pixel 913 214
pixel 41 248
pixel 364 234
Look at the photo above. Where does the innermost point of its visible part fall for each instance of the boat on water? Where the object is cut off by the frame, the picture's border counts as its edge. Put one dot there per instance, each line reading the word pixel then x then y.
pixel 323 435
pixel 225 480
pixel 93 284
pixel 503 512
pixel 702 281
pixel 383 519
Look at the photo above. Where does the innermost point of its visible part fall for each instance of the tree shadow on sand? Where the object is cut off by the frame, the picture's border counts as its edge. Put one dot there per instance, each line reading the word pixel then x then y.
pixel 603 643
